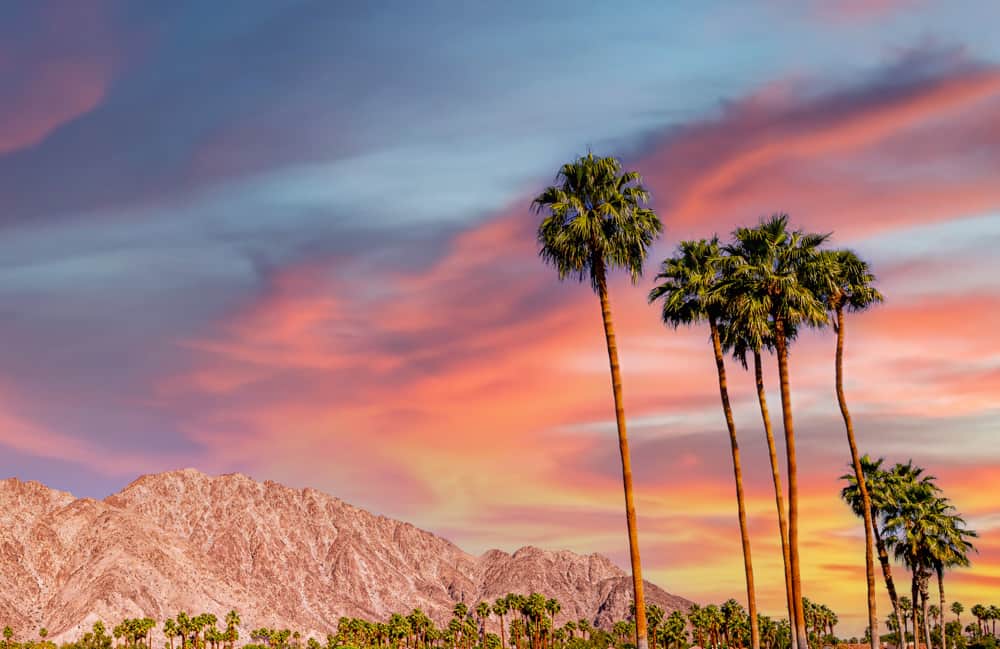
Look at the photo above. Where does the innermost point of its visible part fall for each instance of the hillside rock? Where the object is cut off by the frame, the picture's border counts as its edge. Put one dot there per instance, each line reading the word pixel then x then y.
pixel 283 557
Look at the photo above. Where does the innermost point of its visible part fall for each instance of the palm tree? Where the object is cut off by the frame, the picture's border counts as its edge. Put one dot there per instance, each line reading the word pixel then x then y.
pixel 979 612
pixel 654 616
pixel 957 608
pixel 846 284
pixel 483 613
pixel 882 487
pixel 596 221
pixel 584 625
pixel 905 607
pixel 749 329
pixel 919 515
pixel 501 606
pixel 232 628
pixel 949 548
pixel 698 620
pixel 552 607
pixel 675 631
pixel 776 265
pixel 690 294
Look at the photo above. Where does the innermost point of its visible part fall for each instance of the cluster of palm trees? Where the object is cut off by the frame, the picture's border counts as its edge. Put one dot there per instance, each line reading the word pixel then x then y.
pixel 201 631
pixel 728 625
pixel 755 293
pixel 921 528
pixel 135 632
pixel 986 619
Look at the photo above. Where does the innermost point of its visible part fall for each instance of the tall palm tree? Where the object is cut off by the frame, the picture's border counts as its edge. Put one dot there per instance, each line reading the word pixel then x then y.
pixel 750 330
pixel 777 265
pixel 847 284
pixel 596 221
pixel 690 294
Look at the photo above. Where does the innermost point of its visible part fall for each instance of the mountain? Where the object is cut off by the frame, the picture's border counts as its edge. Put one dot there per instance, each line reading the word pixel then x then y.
pixel 283 557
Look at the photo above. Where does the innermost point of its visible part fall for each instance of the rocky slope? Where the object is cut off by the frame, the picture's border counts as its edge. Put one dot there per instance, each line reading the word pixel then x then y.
pixel 283 557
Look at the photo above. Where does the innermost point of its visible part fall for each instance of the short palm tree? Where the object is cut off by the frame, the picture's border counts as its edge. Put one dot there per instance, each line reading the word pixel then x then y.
pixel 949 548
pixel 483 613
pixel 920 514
pixel 957 609
pixel 232 628
pixel 688 289
pixel 777 265
pixel 845 283
pixel 882 487
pixel 906 608
pixel 596 220
pixel 501 606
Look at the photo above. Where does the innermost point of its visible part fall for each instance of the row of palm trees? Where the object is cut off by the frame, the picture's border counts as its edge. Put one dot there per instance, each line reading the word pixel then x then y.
pixel 755 293
pixel 523 622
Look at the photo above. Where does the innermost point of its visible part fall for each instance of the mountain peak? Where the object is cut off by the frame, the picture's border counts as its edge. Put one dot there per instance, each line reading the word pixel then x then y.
pixel 283 557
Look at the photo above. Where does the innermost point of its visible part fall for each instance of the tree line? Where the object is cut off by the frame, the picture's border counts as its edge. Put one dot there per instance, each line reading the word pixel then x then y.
pixel 523 622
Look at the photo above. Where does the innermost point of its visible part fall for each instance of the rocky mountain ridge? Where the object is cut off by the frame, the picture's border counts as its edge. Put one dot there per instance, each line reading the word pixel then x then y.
pixel 283 557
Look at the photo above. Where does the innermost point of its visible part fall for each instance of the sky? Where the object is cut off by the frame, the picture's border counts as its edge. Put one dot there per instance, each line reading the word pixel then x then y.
pixel 294 241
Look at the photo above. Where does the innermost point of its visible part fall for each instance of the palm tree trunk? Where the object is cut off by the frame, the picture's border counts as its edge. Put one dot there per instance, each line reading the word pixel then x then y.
pixel 890 584
pixel 720 365
pixel 940 581
pixel 616 385
pixel 915 594
pixel 502 644
pixel 779 499
pixel 862 483
pixel 924 604
pixel 793 486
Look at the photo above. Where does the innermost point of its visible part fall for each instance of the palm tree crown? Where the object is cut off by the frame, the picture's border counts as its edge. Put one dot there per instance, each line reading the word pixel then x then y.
pixel 778 267
pixel 597 220
pixel 689 286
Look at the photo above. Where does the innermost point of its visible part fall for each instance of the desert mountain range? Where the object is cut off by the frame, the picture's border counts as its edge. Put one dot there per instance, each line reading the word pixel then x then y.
pixel 283 557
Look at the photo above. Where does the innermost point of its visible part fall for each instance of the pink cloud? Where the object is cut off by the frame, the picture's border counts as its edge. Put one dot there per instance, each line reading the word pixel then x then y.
pixel 47 83
pixel 862 10
pixel 816 155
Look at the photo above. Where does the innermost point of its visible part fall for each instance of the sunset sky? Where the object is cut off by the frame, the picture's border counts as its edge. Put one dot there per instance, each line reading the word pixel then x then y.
pixel 293 240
